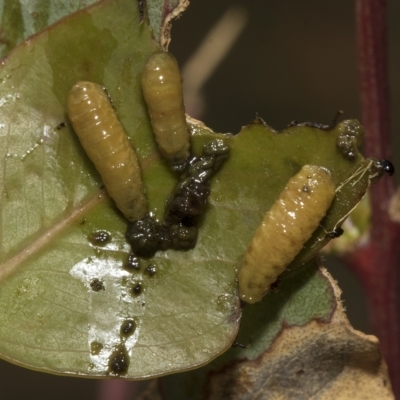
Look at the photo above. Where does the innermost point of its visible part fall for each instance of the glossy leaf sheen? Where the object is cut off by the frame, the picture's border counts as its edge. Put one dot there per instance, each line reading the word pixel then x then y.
pixel 52 201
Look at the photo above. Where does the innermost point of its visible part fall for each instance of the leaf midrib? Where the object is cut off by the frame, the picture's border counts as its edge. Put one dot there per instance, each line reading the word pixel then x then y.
pixel 48 235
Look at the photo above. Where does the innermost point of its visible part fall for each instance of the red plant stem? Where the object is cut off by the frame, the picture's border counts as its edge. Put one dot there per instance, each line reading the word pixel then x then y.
pixel 377 263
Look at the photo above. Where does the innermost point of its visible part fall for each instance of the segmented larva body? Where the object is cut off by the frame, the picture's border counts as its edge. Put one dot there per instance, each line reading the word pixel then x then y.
pixel 285 228
pixel 162 90
pixel 106 144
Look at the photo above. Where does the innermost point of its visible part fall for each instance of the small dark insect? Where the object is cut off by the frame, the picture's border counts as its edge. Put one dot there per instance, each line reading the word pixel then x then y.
pixel 387 166
pixel 128 327
pixel 96 285
pixel 61 125
pixel 337 232
pixel 119 361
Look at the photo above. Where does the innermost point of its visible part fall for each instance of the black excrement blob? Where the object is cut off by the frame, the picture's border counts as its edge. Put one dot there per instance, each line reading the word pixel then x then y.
pixel 188 203
pixel 119 361
pixel 185 207
pixel 96 285
pixel 128 327
pixel 144 236
pixel 137 289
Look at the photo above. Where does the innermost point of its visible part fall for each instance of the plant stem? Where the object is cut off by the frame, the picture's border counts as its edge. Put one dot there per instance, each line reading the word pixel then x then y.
pixel 377 263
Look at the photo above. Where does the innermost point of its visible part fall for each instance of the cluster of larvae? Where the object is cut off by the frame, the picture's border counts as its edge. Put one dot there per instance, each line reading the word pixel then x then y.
pixel 108 147
pixel 285 227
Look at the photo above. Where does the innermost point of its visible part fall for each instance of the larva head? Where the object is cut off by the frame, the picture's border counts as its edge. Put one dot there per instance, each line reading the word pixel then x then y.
pixel 253 292
pixel 161 69
pixel 79 99
pixel 318 183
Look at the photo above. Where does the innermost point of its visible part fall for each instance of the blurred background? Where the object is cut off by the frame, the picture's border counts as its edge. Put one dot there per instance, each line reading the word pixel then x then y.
pixel 290 61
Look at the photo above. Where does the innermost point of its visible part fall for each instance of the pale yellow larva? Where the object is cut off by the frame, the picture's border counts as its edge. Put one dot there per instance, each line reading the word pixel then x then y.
pixel 285 228
pixel 106 144
pixel 162 90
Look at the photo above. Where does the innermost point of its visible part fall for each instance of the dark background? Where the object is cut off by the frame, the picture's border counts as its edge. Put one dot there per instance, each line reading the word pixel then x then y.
pixel 295 60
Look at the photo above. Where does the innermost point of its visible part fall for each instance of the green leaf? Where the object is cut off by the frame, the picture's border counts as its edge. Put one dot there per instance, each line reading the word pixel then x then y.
pixel 21 19
pixel 52 203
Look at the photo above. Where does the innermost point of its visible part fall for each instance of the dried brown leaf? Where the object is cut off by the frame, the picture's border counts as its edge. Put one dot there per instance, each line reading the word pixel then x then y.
pixel 316 361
